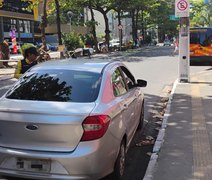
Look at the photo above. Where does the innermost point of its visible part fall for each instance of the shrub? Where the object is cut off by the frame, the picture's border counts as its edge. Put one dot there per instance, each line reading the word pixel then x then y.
pixel 72 41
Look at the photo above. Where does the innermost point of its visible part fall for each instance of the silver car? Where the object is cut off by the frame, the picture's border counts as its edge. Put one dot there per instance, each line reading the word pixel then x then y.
pixel 70 119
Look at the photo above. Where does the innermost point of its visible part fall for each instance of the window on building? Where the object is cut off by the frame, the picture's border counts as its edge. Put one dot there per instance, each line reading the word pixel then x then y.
pixel 9 24
pixel 17 6
pixel 24 26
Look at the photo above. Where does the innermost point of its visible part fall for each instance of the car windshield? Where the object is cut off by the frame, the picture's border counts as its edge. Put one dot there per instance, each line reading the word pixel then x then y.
pixel 57 85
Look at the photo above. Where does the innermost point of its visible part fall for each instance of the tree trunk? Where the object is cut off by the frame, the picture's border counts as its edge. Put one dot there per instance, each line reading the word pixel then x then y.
pixel 58 26
pixel 136 26
pixel 93 27
pixel 142 25
pixel 133 26
pixel 44 24
pixel 107 30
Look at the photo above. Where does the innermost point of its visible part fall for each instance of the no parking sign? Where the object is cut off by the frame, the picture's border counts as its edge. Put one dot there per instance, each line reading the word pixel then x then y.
pixel 182 8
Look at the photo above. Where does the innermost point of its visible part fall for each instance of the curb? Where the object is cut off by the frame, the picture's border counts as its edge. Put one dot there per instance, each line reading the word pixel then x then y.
pixel 160 138
pixel 6 77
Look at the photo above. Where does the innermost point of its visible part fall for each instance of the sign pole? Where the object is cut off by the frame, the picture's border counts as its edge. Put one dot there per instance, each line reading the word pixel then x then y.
pixel 182 11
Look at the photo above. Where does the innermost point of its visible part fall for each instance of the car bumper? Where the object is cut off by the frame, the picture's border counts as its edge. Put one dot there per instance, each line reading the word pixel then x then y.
pixel 88 161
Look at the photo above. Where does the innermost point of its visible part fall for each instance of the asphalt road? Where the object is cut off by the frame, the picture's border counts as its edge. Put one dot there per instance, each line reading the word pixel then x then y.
pixel 160 69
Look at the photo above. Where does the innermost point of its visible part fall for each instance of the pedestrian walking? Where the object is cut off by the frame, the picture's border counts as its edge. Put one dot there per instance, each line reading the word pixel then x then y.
pixel 176 46
pixel 5 52
pixel 31 57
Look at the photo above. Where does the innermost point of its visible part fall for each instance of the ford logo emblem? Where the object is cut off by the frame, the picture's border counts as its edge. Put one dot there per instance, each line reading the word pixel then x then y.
pixel 32 127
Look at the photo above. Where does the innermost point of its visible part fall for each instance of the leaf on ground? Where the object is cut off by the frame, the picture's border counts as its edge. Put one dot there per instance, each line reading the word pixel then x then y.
pixel 164 99
pixel 149 138
pixel 162 112
pixel 157 128
pixel 145 143
pixel 158 122
pixel 149 153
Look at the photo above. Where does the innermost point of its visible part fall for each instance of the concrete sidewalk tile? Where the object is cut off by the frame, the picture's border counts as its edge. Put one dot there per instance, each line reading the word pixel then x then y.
pixel 186 151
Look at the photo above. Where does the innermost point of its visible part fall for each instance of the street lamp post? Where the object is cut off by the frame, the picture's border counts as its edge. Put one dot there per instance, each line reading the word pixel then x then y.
pixel 70 14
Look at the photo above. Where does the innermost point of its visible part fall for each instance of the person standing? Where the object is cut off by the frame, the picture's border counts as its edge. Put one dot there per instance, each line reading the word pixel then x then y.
pixel 31 57
pixel 176 46
pixel 5 51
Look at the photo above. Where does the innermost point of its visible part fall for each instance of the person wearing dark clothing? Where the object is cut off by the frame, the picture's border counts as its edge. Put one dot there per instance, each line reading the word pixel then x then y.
pixel 5 51
pixel 30 59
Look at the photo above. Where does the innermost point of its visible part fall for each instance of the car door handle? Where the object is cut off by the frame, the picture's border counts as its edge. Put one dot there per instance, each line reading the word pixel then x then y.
pixel 125 106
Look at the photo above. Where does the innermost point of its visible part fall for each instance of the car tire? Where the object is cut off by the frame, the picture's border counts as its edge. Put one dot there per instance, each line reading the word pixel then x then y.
pixel 141 120
pixel 120 163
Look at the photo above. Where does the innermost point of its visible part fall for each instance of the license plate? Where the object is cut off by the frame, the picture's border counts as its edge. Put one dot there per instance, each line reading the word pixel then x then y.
pixel 36 165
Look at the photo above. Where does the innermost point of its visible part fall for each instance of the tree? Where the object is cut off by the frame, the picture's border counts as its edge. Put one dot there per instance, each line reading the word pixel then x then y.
pixel 58 25
pixel 52 6
pixel 201 13
pixel 138 9
pixel 44 24
pixel 120 6
pixel 93 26
pixel 103 6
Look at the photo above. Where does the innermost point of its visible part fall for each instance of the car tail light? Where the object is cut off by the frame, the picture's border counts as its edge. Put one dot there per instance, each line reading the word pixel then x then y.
pixel 95 127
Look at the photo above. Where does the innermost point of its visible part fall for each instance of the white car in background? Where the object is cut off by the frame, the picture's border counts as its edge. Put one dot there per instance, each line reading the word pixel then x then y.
pixel 114 43
pixel 167 42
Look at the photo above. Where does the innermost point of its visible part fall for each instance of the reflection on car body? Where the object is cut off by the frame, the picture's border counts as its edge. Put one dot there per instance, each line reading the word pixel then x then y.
pixel 61 117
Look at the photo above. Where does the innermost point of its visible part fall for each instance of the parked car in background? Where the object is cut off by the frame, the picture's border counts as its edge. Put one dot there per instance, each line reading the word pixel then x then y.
pixel 167 42
pixel 51 47
pixel 114 43
pixel 70 120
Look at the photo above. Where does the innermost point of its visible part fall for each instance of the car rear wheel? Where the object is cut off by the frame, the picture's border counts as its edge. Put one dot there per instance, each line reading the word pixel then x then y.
pixel 141 122
pixel 120 163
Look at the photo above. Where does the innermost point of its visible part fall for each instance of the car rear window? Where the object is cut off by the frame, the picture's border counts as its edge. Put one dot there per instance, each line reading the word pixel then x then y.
pixel 57 85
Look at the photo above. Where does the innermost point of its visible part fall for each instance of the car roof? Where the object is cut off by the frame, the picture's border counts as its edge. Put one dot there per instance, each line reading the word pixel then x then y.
pixel 91 65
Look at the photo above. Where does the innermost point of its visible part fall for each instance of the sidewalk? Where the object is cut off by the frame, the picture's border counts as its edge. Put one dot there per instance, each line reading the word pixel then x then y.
pixel 183 148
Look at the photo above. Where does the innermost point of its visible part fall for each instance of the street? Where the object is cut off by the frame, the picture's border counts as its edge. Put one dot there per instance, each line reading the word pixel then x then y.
pixel 160 69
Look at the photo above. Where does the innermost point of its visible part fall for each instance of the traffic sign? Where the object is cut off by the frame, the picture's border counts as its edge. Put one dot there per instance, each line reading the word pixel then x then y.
pixel 182 8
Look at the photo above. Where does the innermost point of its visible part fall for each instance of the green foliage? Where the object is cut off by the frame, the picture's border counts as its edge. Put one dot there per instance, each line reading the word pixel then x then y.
pixel 200 14
pixel 89 40
pixel 72 40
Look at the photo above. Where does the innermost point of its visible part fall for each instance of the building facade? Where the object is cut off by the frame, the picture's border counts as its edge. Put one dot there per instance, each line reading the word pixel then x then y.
pixel 17 19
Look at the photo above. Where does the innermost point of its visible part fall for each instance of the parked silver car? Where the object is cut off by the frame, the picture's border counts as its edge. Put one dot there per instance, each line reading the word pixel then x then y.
pixel 70 119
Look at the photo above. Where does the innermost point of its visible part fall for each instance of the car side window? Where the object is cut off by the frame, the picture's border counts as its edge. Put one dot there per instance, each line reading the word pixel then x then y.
pixel 118 84
pixel 129 78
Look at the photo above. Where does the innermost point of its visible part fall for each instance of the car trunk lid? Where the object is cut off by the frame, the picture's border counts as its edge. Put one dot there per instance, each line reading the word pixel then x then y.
pixel 42 126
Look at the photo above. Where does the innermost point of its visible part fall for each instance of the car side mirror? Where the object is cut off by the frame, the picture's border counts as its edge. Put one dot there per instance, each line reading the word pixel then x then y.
pixel 141 83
